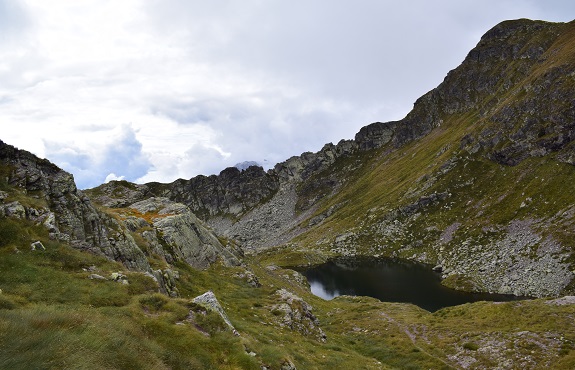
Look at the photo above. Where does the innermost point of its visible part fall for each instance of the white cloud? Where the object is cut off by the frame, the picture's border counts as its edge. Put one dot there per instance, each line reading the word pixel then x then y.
pixel 154 90
pixel 97 155
pixel 113 177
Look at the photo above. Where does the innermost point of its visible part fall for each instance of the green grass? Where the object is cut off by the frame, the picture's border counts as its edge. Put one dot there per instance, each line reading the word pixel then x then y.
pixel 70 337
pixel 65 320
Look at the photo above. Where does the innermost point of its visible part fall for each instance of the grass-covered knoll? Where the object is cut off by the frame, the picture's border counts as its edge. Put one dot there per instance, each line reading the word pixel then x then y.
pixel 54 316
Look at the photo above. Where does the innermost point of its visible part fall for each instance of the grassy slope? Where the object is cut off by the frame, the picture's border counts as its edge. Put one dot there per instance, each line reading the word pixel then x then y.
pixel 53 316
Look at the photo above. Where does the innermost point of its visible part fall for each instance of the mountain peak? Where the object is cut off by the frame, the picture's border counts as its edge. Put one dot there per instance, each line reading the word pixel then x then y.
pixel 246 164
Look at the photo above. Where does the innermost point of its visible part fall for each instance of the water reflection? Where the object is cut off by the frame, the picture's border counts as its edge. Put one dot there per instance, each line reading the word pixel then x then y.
pixel 322 291
pixel 389 280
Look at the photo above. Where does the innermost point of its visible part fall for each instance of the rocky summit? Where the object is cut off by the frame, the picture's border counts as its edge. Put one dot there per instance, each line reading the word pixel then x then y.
pixel 475 180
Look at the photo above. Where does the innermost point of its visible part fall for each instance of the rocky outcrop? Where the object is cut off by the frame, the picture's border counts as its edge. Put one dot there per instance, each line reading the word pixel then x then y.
pixel 301 167
pixel 49 197
pixel 120 246
pixel 166 280
pixel 232 192
pixel 296 314
pixel 178 234
pixel 67 212
pixel 210 302
pixel 117 194
pixel 375 135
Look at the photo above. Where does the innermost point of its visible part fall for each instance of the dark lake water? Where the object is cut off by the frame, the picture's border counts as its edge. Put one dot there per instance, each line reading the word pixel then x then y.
pixel 389 280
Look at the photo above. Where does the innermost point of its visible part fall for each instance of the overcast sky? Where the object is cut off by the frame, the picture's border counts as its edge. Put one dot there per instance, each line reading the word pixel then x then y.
pixel 155 90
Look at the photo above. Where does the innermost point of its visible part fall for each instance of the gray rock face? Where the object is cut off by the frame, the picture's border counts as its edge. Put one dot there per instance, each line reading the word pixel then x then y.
pixel 15 209
pixel 191 242
pixel 68 215
pixel 37 246
pixel 167 281
pixel 232 192
pixel 375 135
pixel 117 245
pixel 180 235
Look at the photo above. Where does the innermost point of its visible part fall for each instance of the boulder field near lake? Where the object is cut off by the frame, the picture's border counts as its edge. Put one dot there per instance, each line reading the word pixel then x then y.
pixel 475 181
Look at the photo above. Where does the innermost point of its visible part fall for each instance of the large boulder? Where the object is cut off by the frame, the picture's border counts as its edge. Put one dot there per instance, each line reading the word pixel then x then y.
pixel 296 314
pixel 209 301
pixel 179 235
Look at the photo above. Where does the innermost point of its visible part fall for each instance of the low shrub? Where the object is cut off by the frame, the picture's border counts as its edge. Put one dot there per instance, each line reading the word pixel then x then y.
pixel 10 232
pixel 470 346
pixel 7 303
pixel 153 302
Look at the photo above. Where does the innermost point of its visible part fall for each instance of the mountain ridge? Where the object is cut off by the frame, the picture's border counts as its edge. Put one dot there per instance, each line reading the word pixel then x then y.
pixel 510 104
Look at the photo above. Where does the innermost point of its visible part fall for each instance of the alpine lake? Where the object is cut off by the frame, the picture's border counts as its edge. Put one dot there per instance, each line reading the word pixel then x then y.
pixel 389 280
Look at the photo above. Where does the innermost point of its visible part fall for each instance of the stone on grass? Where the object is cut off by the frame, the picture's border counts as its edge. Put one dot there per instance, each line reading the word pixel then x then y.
pixel 37 245
pixel 209 301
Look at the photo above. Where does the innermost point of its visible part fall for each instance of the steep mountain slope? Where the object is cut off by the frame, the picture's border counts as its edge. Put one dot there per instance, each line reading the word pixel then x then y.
pixel 474 179
pixel 484 190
